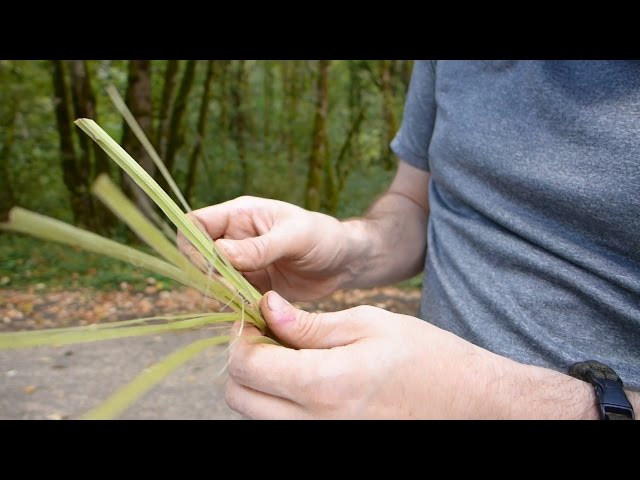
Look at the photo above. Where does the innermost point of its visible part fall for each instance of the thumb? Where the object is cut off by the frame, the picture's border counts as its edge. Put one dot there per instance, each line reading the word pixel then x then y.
pixel 253 253
pixel 300 329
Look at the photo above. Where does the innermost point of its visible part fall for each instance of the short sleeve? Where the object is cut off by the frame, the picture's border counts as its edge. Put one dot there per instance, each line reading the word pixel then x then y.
pixel 411 143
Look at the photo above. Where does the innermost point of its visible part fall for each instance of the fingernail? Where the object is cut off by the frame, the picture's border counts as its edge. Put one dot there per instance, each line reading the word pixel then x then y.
pixel 229 248
pixel 277 303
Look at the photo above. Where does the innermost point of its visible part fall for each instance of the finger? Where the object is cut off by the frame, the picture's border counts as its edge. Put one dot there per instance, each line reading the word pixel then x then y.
pixel 191 253
pixel 260 405
pixel 276 370
pixel 215 218
pixel 245 329
pixel 259 279
pixel 256 253
pixel 301 329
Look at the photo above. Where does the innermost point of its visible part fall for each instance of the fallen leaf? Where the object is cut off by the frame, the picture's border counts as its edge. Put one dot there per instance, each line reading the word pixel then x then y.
pixel 29 389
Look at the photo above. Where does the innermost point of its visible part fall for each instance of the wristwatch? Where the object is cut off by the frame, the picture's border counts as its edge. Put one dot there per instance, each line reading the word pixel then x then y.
pixel 612 401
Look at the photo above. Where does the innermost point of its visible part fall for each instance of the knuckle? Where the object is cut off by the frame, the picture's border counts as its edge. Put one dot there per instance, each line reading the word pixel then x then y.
pixel 260 247
pixel 242 364
pixel 333 388
pixel 364 311
pixel 231 394
pixel 246 199
pixel 364 315
pixel 308 325
pixel 236 366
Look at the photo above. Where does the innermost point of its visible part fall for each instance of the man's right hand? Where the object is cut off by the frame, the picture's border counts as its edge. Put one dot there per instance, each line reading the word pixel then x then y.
pixel 278 246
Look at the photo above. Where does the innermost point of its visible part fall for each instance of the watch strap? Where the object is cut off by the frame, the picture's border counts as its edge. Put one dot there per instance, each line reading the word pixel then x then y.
pixel 612 401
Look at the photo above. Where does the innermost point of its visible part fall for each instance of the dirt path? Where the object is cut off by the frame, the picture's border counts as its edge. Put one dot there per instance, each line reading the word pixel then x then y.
pixel 65 382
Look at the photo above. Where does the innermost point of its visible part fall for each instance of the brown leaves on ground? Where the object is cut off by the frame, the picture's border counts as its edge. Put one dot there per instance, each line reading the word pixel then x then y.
pixel 29 310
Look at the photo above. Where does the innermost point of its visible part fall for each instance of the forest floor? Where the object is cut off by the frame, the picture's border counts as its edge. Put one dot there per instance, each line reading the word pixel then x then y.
pixel 65 382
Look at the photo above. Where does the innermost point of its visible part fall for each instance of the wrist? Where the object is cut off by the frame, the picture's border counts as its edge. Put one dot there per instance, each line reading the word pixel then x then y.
pixel 530 392
pixel 356 252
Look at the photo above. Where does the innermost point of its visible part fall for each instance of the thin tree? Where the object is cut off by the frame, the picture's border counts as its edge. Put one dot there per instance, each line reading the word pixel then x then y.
pixel 267 84
pixel 388 113
pixel 291 86
pixel 223 126
pixel 92 160
pixel 239 124
pixel 74 178
pixel 166 104
pixel 176 124
pixel 200 132
pixel 355 109
pixel 319 143
pixel 138 99
pixel 7 197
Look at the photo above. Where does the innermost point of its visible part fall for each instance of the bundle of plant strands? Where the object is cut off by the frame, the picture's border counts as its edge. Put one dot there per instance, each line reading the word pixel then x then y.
pixel 214 276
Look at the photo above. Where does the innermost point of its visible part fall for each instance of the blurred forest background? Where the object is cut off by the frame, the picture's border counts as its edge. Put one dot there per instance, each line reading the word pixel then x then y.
pixel 314 133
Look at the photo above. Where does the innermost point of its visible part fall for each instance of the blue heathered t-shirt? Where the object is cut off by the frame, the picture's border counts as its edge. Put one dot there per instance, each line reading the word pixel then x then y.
pixel 534 231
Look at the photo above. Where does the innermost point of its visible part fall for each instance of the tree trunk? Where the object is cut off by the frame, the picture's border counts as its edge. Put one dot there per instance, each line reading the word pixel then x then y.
pixel 168 90
pixel 176 127
pixel 343 166
pixel 355 108
pixel 84 101
pixel 291 85
pixel 405 73
pixel 92 161
pixel 268 102
pixel 138 99
pixel 73 177
pixel 200 135
pixel 286 123
pixel 224 109
pixel 337 173
pixel 7 198
pixel 387 113
pixel 319 147
pixel 239 121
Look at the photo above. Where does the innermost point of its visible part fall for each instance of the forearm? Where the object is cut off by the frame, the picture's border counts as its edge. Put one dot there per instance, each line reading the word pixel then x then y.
pixel 518 391
pixel 388 244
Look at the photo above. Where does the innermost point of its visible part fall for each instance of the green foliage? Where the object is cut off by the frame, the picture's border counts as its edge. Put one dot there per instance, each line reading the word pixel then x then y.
pixel 35 168
pixel 29 262
pixel 412 283
pixel 278 105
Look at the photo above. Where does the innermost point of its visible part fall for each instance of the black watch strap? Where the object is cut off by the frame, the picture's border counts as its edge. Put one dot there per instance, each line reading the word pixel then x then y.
pixel 612 401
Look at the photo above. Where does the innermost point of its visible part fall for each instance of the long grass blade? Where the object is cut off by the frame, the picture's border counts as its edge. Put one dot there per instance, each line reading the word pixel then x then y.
pixel 116 201
pixel 123 208
pixel 179 218
pixel 121 106
pixel 46 228
pixel 120 323
pixel 127 395
pixel 166 204
pixel 16 340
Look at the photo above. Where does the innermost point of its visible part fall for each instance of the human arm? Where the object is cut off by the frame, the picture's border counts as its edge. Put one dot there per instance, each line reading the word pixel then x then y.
pixel 369 363
pixel 389 243
pixel 306 255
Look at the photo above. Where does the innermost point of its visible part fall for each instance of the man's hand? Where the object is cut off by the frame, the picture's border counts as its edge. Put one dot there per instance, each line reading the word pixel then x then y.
pixel 278 245
pixel 365 362
pixel 307 255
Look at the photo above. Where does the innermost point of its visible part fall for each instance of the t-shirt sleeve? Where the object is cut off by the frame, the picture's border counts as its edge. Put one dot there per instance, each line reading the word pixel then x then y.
pixel 411 143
